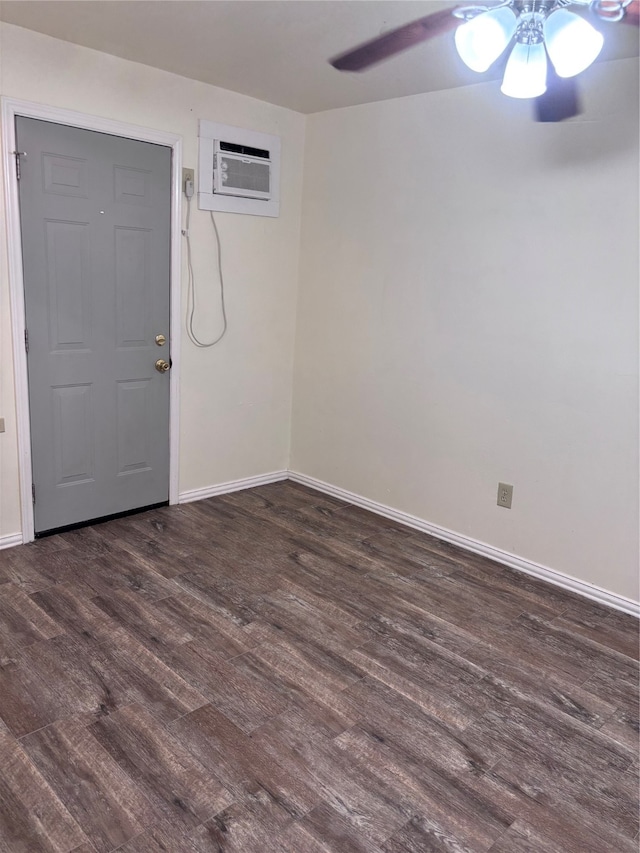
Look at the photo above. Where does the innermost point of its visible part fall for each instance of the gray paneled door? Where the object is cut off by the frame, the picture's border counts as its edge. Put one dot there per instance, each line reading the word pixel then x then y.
pixel 95 213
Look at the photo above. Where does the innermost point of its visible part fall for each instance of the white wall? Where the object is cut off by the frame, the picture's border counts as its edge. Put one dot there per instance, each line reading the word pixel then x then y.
pixel 236 397
pixel 468 313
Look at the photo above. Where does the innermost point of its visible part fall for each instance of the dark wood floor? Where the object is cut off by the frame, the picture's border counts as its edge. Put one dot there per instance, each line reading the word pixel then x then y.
pixel 274 671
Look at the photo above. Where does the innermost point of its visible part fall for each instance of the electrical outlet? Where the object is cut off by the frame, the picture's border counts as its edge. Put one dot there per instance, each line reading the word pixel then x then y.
pixel 505 495
pixel 187 175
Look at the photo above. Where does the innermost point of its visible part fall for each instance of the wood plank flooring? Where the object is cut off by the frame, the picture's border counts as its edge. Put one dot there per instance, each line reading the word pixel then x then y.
pixel 274 671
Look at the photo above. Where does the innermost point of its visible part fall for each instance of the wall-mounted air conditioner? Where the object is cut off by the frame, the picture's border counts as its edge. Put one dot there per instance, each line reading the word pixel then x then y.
pixel 239 170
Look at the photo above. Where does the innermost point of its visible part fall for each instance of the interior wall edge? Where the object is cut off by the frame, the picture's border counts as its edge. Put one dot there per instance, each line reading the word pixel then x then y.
pixel 232 486
pixel 512 561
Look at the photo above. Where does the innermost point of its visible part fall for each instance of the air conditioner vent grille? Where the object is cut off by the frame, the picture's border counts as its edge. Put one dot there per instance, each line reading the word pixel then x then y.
pixel 242 176
pixel 247 176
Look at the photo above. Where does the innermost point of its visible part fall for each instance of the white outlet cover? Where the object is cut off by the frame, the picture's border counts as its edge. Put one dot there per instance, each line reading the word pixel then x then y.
pixel 505 495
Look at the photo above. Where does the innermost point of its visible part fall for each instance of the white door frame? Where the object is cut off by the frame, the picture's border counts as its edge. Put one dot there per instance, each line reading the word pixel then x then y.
pixel 11 108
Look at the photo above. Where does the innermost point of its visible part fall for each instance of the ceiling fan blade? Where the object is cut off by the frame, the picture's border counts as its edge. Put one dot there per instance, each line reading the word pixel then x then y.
pixel 396 41
pixel 560 101
pixel 632 13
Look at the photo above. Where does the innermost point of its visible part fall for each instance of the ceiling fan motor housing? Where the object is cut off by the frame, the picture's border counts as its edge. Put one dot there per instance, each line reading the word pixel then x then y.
pixel 530 28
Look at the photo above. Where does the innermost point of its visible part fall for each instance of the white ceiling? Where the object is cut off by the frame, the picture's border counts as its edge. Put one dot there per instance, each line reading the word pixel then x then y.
pixel 275 50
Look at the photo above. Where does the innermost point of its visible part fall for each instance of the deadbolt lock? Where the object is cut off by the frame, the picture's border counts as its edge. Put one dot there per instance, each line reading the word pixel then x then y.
pixel 161 340
pixel 162 366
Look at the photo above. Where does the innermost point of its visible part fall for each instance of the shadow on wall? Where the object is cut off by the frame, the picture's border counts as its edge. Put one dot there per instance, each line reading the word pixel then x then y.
pixel 597 136
pixel 608 125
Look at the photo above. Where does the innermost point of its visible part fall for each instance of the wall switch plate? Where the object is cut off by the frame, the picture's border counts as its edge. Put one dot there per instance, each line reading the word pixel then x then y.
pixel 505 495
pixel 1 424
pixel 188 175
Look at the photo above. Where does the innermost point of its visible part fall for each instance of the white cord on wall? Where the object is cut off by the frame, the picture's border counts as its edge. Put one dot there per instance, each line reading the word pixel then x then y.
pixel 191 286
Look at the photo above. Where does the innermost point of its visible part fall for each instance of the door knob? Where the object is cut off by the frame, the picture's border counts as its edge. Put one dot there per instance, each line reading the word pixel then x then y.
pixel 162 366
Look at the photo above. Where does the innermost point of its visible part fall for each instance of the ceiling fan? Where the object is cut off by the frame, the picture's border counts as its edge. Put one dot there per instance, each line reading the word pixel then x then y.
pixel 538 29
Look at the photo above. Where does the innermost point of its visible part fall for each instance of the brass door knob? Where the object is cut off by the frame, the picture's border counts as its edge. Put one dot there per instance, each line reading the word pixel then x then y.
pixel 162 366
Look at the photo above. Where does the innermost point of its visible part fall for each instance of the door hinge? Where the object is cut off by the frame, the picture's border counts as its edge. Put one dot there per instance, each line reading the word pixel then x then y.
pixel 18 155
pixel 26 340
pixel 33 492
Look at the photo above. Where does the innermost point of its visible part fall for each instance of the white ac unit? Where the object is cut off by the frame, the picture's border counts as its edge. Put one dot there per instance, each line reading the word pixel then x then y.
pixel 241 170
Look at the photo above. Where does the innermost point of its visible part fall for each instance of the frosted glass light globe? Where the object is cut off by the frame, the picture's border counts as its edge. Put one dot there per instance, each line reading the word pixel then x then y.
pixel 481 40
pixel 526 73
pixel 572 42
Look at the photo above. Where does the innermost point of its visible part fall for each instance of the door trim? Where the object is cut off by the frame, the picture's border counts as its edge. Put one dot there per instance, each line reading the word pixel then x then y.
pixel 11 108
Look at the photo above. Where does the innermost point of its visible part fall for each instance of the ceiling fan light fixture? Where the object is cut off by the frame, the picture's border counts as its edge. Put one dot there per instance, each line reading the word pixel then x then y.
pixel 526 73
pixel 543 32
pixel 572 43
pixel 481 40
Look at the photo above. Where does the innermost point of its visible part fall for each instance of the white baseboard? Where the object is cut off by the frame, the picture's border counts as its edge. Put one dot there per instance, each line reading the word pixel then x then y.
pixel 232 486
pixel 595 593
pixel 11 540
